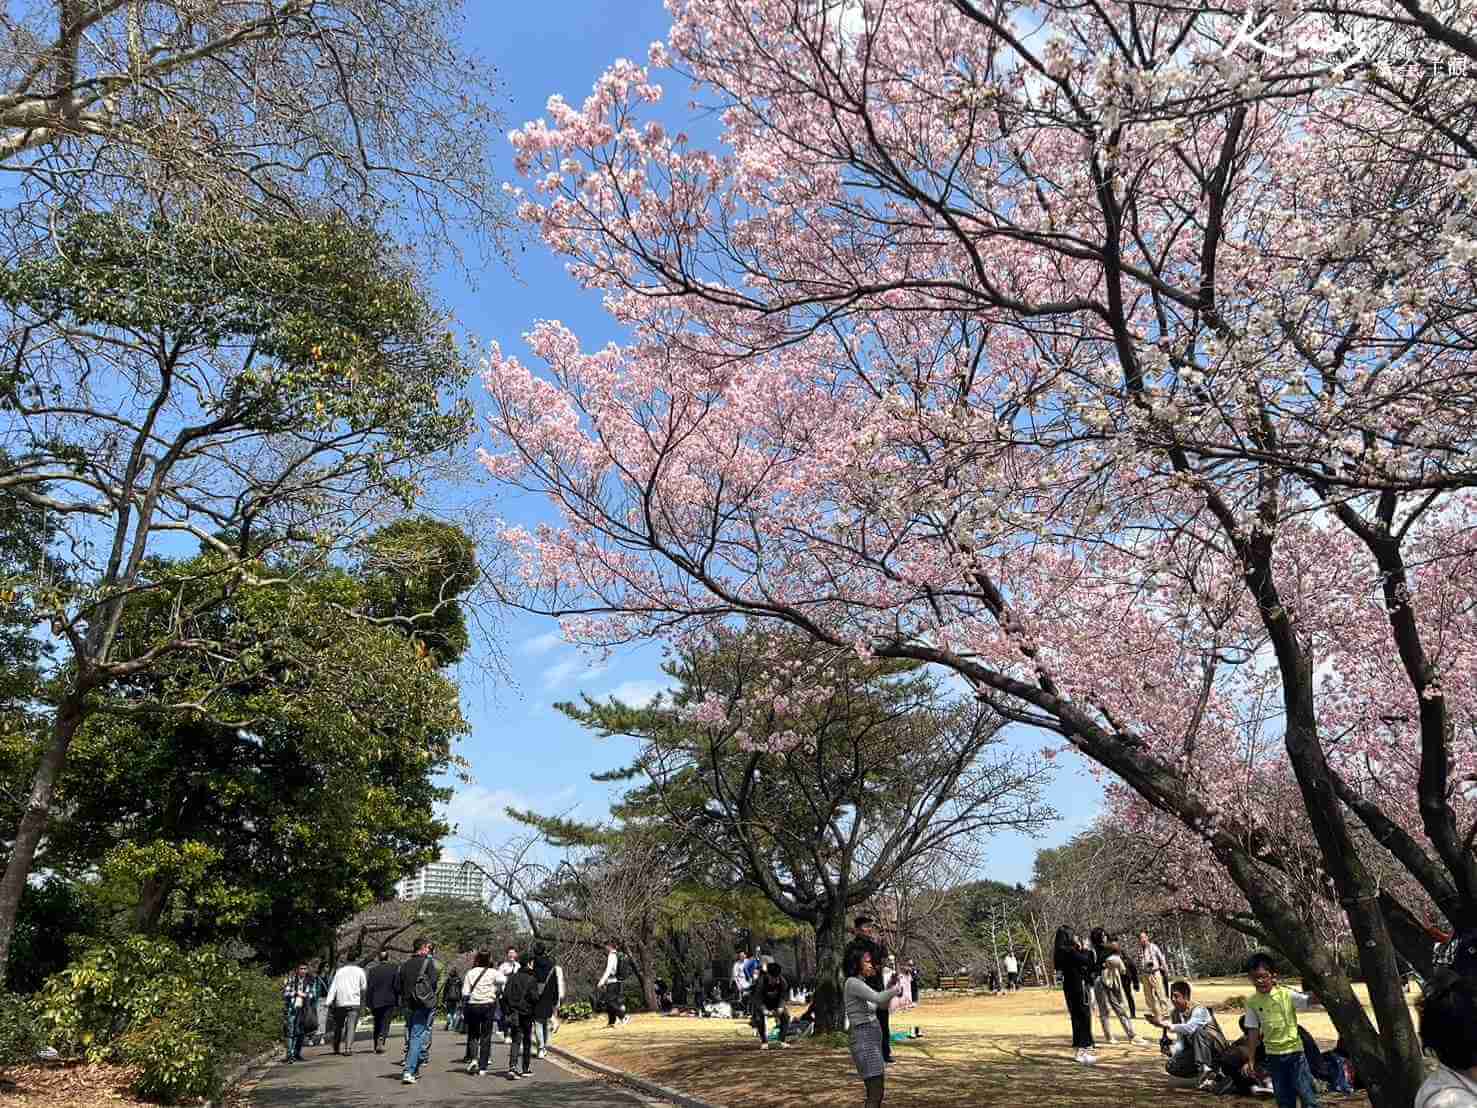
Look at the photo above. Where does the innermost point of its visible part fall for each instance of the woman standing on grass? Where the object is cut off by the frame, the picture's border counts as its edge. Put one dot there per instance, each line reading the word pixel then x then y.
pixel 861 1015
pixel 1075 962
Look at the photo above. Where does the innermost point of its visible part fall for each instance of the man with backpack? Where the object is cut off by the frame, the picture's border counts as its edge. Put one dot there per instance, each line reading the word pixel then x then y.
pixel 418 991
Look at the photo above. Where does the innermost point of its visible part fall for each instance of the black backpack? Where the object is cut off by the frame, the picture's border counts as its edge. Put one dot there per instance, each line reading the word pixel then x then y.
pixel 423 989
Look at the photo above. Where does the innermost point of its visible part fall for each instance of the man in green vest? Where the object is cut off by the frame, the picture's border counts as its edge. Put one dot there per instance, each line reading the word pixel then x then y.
pixel 1271 1019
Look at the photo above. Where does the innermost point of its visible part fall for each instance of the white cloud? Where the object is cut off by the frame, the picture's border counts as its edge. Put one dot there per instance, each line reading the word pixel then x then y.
pixel 475 809
pixel 560 672
pixel 542 644
pixel 638 694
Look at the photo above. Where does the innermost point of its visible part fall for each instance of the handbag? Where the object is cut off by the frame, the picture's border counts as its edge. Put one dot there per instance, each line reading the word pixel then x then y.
pixel 309 1017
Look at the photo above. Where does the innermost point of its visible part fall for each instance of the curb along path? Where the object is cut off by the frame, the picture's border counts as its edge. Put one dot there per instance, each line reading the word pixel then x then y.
pixel 651 1088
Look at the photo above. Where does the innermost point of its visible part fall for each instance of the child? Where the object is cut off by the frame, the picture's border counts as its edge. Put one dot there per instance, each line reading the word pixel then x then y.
pixel 1449 1031
pixel 1271 1019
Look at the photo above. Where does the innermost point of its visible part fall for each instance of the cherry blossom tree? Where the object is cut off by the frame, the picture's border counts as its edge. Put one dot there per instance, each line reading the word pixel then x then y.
pixel 1115 357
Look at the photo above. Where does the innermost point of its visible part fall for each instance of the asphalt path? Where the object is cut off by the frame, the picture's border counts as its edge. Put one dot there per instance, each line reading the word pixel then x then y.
pixel 365 1079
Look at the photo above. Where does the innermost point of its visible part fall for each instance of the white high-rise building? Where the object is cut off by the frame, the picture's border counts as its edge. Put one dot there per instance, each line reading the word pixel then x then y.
pixel 454 879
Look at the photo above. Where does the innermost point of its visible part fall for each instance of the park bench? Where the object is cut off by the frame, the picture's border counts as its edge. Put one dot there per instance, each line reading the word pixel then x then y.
pixel 959 981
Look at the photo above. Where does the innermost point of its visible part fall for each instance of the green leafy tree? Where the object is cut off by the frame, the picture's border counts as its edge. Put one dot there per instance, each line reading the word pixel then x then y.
pixel 264 387
pixel 278 828
pixel 850 773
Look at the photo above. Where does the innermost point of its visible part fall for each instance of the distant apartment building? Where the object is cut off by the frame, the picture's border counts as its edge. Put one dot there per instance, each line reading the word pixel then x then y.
pixel 445 879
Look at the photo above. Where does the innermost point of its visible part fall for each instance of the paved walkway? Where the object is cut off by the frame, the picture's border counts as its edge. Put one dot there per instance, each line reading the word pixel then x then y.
pixel 368 1080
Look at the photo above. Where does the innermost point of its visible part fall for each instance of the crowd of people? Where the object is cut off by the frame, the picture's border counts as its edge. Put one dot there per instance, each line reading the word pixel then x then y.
pixel 517 1001
pixel 514 1002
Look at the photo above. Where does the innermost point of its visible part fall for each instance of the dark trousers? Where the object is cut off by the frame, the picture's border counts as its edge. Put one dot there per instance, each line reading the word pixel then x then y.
pixel 480 1023
pixel 345 1024
pixel 1081 1015
pixel 520 1033
pixel 781 1017
pixel 615 1002
pixel 884 1018
pixel 382 1017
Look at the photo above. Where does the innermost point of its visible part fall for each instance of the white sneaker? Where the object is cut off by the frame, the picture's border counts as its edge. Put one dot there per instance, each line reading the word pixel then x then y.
pixel 1090 1057
pixel 1139 1040
pixel 784 1044
pixel 471 1067
pixel 407 1079
pixel 763 1046
pixel 542 1051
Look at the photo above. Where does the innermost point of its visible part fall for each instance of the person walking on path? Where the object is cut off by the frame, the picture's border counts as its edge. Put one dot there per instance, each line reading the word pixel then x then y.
pixel 546 1005
pixel 865 938
pixel 1155 978
pixel 320 1002
pixel 507 967
pixel 345 998
pixel 418 983
pixel 863 1006
pixel 299 1000
pixel 518 999
pixel 480 990
pixel 611 989
pixel 451 998
pixel 1075 962
pixel 1012 971
pixel 382 997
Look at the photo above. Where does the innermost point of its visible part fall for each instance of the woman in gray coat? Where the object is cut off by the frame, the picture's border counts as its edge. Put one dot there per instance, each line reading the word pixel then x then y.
pixel 862 1002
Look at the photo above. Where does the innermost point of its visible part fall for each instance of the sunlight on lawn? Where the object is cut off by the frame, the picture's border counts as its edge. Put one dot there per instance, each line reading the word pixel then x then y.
pixel 973 1049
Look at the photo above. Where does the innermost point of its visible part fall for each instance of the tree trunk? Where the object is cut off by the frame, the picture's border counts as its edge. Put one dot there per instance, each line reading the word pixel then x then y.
pixel 152 895
pixel 33 822
pixel 830 946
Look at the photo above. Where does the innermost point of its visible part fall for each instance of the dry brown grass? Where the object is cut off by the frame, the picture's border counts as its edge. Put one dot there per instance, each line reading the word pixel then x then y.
pixel 974 1050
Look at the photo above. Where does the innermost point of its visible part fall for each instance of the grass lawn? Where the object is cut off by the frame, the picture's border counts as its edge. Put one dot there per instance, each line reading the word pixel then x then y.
pixel 1014 1049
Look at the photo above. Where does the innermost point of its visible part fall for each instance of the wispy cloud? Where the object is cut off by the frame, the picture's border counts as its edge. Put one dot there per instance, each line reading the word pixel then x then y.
pixel 475 809
pixel 638 694
pixel 561 671
pixel 542 644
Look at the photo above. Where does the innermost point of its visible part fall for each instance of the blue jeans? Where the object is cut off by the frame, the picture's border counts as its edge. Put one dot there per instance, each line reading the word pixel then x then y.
pixel 418 1029
pixel 1292 1080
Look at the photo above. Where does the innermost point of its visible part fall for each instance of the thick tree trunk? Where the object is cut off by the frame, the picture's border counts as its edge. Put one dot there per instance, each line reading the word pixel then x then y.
pixel 34 821
pixel 830 945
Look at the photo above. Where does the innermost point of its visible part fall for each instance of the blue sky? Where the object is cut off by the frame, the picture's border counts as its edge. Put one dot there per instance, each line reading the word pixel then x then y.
pixel 521 751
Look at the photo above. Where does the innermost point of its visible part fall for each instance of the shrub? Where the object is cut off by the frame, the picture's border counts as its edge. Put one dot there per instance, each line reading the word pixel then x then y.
pixel 20 1037
pixel 177 1015
pixel 174 1062
pixel 576 1010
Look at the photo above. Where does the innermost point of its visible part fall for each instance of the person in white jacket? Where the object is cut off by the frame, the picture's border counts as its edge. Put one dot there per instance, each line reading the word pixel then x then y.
pixel 610 985
pixel 345 996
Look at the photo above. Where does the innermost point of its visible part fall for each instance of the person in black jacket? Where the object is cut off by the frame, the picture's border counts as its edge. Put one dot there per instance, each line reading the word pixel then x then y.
pixel 770 993
pixel 519 997
pixel 865 938
pixel 1075 961
pixel 546 978
pixel 383 997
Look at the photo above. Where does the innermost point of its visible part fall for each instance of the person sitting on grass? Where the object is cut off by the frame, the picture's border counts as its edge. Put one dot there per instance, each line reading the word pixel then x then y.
pixel 1271 1021
pixel 770 993
pixel 1449 1031
pixel 1198 1043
